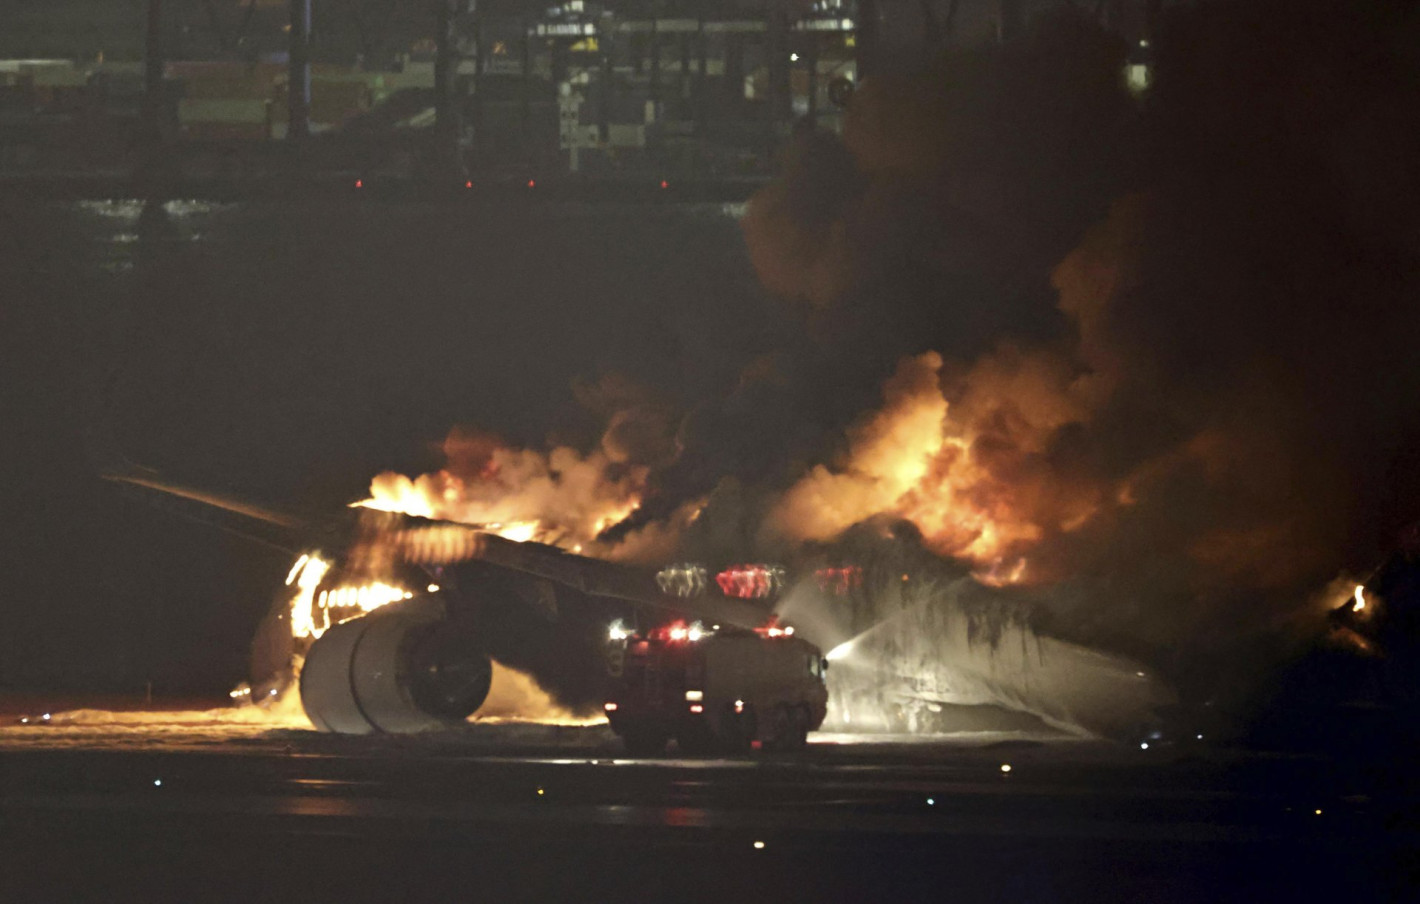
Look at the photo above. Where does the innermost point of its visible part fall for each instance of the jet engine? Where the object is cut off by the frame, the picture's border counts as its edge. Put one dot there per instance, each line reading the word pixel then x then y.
pixel 401 668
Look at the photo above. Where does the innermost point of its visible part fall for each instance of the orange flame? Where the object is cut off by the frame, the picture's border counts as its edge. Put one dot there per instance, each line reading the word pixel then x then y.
pixel 963 473
pixel 563 497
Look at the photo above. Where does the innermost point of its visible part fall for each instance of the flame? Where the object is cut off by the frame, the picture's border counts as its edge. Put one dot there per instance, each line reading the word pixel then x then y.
pixel 308 574
pixel 965 473
pixel 561 497
pixel 1360 598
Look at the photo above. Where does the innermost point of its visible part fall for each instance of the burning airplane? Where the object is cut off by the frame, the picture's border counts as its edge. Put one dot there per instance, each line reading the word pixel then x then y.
pixel 390 622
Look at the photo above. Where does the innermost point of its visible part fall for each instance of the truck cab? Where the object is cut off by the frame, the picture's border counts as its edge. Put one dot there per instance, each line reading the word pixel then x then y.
pixel 714 688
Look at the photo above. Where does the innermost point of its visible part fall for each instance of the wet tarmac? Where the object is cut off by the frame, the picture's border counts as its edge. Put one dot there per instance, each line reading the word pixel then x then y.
pixel 554 813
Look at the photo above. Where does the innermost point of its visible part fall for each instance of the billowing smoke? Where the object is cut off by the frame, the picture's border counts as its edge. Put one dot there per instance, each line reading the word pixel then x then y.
pixel 1223 417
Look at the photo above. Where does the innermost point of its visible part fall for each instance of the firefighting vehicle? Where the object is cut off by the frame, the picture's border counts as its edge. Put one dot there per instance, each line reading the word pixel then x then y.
pixel 714 688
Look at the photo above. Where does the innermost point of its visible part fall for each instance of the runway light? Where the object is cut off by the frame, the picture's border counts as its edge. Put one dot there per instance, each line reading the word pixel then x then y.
pixel 45 717
pixel 1200 737
pixel 1318 812
pixel 532 183
pixel 158 783
pixel 468 184
pixel 759 845
pixel 1005 767
pixel 931 802
pixel 539 792
pixel 665 184
pixel 359 183
pixel 1143 745
pixel 25 720
pixel 793 57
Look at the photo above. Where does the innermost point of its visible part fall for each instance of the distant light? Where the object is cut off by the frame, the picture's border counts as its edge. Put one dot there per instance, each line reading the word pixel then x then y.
pixel 539 792
pixel 45 717
pixel 906 578
pixel 1318 812
pixel 789 631
pixel 1200 737
pixel 359 183
pixel 759 845
pixel 1005 767
pixel 532 183
pixel 617 631
pixel 1141 674
pixel 931 802
pixel 1143 745
pixel 25 720
pixel 793 57
pixel 1143 42
pixel 694 696
pixel 665 184
pixel 739 706
pixel 697 708
pixel 468 184
pixel 433 588
pixel 610 707
pixel 158 783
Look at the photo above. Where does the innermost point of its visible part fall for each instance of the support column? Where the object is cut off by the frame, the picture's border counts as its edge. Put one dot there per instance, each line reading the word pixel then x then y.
pixel 152 142
pixel 700 97
pixel 865 37
pixel 777 47
pixel 480 63
pixel 298 74
pixel 811 57
pixel 655 66
pixel 448 128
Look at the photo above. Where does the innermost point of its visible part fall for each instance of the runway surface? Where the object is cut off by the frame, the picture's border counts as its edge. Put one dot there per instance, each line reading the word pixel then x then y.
pixel 203 806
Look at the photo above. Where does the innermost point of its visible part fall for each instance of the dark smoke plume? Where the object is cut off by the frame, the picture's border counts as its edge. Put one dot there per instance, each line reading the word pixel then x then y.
pixel 1225 347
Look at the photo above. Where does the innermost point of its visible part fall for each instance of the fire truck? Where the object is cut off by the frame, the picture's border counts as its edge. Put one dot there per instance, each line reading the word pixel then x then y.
pixel 718 688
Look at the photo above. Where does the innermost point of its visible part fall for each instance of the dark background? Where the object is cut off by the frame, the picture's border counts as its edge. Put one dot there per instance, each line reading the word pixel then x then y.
pixel 287 353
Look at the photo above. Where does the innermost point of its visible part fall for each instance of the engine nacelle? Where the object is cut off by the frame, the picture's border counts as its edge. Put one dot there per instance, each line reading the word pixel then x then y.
pixel 402 668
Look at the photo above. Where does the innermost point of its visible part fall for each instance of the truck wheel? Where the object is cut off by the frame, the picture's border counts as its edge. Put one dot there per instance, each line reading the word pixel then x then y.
pixel 644 742
pixel 783 729
pixel 740 730
pixel 802 719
